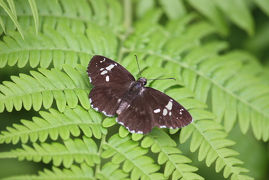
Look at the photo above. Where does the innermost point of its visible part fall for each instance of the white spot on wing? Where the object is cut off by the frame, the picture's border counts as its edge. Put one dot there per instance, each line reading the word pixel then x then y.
pixel 95 108
pixel 157 111
pixel 121 123
pixel 165 112
pixel 170 113
pixel 103 72
pixel 110 67
pixel 107 114
pixel 103 60
pixel 169 105
pixel 162 126
pixel 107 78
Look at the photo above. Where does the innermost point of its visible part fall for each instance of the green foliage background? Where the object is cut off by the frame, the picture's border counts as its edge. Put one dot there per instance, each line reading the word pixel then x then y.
pixel 217 50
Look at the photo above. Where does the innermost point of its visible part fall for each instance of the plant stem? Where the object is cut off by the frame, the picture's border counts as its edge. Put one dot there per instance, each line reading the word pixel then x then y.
pixel 127 14
pixel 100 150
pixel 128 20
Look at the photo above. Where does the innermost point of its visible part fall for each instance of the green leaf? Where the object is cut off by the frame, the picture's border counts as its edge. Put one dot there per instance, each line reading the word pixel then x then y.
pixel 108 122
pixel 11 13
pixel 111 171
pixel 238 12
pixel 66 88
pixel 35 13
pixel 209 9
pixel 55 124
pixel 264 5
pixel 72 150
pixel 176 164
pixel 124 149
pixel 173 8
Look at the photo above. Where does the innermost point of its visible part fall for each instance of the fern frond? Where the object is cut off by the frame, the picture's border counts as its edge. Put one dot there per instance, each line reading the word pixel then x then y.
pixel 176 165
pixel 241 18
pixel 207 133
pixel 35 14
pixel 74 172
pixel 2 25
pixel 230 80
pixel 111 171
pixel 209 138
pixel 67 88
pixel 172 43
pixel 73 150
pixel 218 12
pixel 264 5
pixel 128 152
pixel 78 18
pixel 56 47
pixel 54 124
pixel 173 9
pixel 11 12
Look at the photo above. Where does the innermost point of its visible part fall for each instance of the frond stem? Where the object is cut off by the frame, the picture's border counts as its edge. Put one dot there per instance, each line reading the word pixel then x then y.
pixel 98 166
pixel 127 14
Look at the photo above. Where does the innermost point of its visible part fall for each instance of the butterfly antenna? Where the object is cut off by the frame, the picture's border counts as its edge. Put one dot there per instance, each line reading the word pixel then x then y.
pixel 162 79
pixel 137 64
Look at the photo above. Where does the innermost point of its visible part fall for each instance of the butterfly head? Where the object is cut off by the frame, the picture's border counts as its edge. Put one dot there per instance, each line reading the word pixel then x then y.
pixel 142 80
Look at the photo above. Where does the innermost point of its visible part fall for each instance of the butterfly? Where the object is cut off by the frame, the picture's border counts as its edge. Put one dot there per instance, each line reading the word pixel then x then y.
pixel 138 108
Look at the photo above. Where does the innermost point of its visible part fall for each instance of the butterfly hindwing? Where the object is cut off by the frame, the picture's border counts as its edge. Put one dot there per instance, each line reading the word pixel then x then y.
pixel 167 113
pixel 153 108
pixel 136 116
pixel 106 100
pixel 103 71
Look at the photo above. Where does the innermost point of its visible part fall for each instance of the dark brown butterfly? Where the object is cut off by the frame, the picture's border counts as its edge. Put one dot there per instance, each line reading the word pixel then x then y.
pixel 139 108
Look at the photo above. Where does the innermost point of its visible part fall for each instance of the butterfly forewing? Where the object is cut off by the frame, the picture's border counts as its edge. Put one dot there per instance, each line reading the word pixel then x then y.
pixel 110 81
pixel 105 72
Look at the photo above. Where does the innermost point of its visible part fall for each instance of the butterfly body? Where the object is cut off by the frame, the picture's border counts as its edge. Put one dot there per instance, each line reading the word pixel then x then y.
pixel 136 88
pixel 139 108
